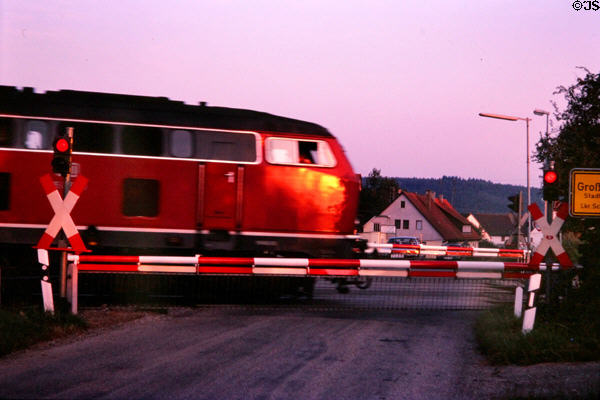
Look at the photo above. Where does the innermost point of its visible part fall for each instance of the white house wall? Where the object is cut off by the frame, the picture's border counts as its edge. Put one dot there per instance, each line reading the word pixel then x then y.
pixel 395 211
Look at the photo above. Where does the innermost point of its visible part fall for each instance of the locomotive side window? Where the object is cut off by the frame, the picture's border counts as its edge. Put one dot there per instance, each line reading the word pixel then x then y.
pixel 299 152
pixel 282 151
pixel 5 132
pixel 36 135
pixel 226 146
pixel 307 152
pixel 180 143
pixel 140 197
pixel 4 191
pixel 90 138
pixel 141 141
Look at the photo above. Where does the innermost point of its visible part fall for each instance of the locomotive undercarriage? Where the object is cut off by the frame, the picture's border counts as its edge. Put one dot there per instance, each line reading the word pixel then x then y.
pixel 215 243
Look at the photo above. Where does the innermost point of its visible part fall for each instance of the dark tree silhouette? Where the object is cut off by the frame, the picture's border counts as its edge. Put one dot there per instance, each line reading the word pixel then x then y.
pixel 576 144
pixel 377 193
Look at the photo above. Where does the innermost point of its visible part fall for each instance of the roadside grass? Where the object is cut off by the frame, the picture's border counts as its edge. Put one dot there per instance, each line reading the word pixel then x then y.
pixel 568 334
pixel 20 329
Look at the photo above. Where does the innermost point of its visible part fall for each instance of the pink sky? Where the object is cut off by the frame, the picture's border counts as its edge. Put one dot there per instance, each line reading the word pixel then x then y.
pixel 400 83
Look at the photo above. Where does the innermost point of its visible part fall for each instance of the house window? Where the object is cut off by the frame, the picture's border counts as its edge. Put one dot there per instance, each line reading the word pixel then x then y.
pixel 419 225
pixel 402 204
pixel 4 191
pixel 405 224
pixel 466 228
pixel 376 228
pixel 398 223
pixel 140 197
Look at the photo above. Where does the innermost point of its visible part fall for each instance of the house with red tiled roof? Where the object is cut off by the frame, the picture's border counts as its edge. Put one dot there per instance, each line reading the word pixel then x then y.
pixel 431 219
pixel 498 229
pixel 501 229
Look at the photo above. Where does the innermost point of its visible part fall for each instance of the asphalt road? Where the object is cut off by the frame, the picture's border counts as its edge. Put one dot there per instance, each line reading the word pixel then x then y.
pixel 265 353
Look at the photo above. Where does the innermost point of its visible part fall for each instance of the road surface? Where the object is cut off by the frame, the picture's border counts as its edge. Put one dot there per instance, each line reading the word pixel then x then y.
pixel 263 353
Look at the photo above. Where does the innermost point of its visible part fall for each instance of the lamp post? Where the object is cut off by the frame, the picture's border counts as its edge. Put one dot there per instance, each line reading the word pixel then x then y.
pixel 512 118
pixel 539 112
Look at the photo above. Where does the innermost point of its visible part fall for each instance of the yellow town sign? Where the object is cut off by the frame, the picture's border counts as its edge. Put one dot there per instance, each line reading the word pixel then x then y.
pixel 584 192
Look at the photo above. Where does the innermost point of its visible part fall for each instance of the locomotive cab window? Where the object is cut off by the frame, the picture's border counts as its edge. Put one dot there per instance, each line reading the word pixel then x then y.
pixel 90 138
pixel 299 152
pixel 6 132
pixel 180 143
pixel 140 197
pixel 225 146
pixel 141 141
pixel 36 135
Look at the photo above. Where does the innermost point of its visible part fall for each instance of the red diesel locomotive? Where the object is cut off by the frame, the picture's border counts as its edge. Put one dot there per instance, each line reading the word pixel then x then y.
pixel 168 177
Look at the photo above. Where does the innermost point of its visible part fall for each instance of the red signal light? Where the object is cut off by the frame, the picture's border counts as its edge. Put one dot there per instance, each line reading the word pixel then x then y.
pixel 62 145
pixel 550 177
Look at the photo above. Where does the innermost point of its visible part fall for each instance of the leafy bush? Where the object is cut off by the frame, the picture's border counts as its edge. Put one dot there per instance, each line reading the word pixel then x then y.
pixel 554 339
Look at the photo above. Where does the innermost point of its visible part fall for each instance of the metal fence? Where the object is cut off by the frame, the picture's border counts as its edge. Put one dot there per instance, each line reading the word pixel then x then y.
pixel 384 293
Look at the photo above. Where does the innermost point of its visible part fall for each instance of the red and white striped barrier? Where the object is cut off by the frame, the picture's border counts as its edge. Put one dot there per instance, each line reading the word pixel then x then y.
pixel 422 249
pixel 302 267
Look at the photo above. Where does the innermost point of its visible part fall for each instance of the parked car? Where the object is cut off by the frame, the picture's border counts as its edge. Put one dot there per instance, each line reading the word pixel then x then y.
pixel 405 253
pixel 404 240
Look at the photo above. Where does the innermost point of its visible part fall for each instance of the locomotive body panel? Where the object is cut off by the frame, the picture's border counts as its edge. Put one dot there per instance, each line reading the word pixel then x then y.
pixel 202 188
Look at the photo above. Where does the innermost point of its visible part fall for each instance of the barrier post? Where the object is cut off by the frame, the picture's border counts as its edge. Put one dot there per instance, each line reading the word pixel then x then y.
pixel 518 301
pixel 73 288
pixel 47 299
pixel 529 316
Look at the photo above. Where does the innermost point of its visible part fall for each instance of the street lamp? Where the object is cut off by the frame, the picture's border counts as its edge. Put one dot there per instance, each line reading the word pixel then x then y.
pixel 511 118
pixel 537 111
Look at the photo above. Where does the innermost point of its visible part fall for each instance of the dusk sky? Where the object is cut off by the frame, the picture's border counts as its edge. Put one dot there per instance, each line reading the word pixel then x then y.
pixel 399 83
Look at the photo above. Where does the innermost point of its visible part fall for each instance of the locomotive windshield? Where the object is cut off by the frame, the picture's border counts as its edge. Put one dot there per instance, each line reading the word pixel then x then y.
pixel 299 152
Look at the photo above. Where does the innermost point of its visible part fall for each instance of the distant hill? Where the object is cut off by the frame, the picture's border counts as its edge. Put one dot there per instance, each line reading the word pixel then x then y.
pixel 471 195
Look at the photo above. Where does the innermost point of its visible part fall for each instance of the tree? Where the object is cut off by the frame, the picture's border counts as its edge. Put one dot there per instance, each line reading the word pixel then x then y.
pixel 577 144
pixel 378 192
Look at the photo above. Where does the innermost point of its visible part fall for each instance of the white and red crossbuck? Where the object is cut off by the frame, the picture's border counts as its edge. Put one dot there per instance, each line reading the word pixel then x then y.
pixel 62 209
pixel 550 238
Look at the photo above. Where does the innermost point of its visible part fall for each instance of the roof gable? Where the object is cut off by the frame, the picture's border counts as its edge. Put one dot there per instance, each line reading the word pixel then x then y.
pixel 442 216
pixel 497 224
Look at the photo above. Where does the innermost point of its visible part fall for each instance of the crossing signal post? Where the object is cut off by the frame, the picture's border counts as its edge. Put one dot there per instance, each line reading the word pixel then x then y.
pixel 515 205
pixel 550 193
pixel 61 164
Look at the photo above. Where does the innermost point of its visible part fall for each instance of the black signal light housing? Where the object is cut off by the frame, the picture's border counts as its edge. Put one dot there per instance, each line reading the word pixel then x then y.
pixel 61 162
pixel 550 189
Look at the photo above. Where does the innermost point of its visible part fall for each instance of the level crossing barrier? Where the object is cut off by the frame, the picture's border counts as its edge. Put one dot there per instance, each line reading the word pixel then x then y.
pixel 452 251
pixel 302 266
pixel 295 267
